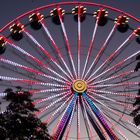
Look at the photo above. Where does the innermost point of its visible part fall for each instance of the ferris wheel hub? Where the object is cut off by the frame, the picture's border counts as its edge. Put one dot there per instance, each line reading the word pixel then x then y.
pixel 79 86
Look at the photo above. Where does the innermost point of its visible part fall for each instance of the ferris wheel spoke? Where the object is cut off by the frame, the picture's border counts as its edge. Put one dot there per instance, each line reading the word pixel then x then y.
pixel 64 119
pixel 66 41
pixel 52 133
pixel 78 119
pixel 113 125
pixel 122 124
pixel 52 104
pixel 97 124
pixel 87 122
pixel 45 52
pixel 43 115
pixel 31 70
pixel 34 59
pixel 56 117
pixel 125 83
pixel 115 84
pixel 115 58
pixel 115 66
pixel 54 72
pixel 31 82
pixel 70 123
pixel 101 49
pixel 49 98
pixel 124 118
pixel 130 95
pixel 23 73
pixel 111 56
pixel 50 93
pixel 11 85
pixel 130 90
pixel 109 116
pixel 79 41
pixel 100 130
pixel 25 53
pixel 129 78
pixel 91 45
pixel 123 67
pixel 47 121
pixel 36 91
pixel 49 111
pixel 55 47
pixel 126 73
pixel 120 110
pixel 121 103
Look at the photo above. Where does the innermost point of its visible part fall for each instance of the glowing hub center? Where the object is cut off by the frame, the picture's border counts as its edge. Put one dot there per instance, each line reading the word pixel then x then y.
pixel 79 86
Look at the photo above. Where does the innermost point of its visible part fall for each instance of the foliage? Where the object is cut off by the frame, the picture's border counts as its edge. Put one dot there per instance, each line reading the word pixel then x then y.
pixel 19 122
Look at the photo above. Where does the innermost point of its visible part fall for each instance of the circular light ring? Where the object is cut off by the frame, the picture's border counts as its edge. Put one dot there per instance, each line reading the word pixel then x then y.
pixel 67 3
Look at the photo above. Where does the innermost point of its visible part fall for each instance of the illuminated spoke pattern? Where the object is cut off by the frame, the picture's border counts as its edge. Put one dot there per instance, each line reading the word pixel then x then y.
pixel 80 64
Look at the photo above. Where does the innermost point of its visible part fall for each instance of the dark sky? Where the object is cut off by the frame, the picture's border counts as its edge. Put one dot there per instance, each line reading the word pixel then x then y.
pixel 9 9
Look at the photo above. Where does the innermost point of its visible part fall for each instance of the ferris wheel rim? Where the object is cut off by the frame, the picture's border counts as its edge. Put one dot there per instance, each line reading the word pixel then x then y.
pixel 68 3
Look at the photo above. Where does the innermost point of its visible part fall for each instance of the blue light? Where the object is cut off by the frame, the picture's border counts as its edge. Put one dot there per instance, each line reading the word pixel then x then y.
pixel 66 116
pixel 98 114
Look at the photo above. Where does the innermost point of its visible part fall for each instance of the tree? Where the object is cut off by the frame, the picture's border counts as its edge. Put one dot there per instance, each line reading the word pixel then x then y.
pixel 18 122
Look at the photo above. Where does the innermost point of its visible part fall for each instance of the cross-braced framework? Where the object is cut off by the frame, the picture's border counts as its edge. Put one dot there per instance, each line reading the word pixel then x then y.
pixel 80 61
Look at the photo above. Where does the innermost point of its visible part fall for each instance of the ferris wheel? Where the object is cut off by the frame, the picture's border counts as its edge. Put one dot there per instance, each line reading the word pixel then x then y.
pixel 80 61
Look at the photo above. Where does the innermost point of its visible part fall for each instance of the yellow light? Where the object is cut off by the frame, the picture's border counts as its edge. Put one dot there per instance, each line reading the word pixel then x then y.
pixel 79 86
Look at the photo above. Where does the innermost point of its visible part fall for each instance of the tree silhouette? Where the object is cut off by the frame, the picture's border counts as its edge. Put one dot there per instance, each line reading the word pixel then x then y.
pixel 18 122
